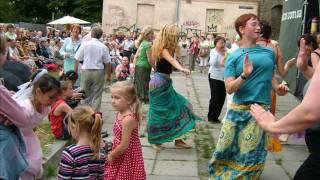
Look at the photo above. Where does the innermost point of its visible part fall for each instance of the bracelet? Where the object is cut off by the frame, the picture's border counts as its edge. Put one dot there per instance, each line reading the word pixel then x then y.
pixel 243 77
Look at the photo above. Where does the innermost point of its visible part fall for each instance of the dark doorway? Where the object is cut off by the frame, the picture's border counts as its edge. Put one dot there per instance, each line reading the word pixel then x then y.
pixel 276 13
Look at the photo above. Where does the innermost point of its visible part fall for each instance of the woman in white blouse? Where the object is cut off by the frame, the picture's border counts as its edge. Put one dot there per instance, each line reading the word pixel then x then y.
pixel 216 80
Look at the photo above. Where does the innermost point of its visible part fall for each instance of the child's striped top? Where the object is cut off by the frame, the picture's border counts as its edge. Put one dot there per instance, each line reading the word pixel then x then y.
pixel 77 163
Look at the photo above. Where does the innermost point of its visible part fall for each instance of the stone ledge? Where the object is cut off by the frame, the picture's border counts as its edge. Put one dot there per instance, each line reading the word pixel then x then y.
pixel 55 153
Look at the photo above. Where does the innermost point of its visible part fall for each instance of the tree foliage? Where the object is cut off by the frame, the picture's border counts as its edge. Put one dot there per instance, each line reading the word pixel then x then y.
pixel 40 11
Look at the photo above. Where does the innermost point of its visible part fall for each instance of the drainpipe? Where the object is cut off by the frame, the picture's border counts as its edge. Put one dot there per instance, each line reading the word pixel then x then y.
pixel 305 7
pixel 178 12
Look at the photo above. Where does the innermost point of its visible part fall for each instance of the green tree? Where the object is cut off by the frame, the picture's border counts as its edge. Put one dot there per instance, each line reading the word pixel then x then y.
pixel 89 10
pixel 40 11
pixel 31 11
pixel 7 14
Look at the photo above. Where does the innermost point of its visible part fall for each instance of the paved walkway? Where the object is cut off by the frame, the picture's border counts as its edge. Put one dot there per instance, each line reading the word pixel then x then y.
pixel 180 164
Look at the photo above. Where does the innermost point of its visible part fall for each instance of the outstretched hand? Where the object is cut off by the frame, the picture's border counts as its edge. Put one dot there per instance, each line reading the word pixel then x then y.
pixel 302 61
pixel 282 90
pixel 264 118
pixel 186 71
pixel 247 66
pixel 290 63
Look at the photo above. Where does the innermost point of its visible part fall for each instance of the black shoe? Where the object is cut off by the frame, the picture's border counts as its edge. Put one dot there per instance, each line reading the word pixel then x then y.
pixel 104 134
pixel 216 121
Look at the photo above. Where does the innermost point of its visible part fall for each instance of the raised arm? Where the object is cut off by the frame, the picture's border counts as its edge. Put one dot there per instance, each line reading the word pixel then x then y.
pixel 233 84
pixel 305 115
pixel 302 61
pixel 167 56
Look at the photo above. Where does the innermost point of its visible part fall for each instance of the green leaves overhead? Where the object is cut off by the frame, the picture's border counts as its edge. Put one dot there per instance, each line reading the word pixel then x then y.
pixel 40 11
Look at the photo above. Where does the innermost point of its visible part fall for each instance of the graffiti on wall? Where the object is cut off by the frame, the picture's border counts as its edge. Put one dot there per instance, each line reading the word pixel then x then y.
pixel 189 32
pixel 190 28
pixel 190 24
pixel 214 20
pixel 116 17
pixel 212 29
pixel 126 30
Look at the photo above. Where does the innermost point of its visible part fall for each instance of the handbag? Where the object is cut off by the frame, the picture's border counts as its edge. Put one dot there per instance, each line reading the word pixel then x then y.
pixel 204 52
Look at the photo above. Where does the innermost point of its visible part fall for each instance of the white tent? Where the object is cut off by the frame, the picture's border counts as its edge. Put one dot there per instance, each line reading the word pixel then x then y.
pixel 68 20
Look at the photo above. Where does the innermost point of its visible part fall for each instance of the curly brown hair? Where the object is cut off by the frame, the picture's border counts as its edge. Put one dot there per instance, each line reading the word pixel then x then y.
pixel 166 39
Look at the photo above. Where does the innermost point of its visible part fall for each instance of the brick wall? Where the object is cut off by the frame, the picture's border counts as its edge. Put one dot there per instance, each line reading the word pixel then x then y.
pixel 270 10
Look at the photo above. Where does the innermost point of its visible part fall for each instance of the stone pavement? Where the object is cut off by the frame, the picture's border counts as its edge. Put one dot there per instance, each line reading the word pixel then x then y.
pixel 181 164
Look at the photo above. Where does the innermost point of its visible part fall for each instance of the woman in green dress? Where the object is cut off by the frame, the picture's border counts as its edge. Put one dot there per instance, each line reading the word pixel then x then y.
pixel 142 66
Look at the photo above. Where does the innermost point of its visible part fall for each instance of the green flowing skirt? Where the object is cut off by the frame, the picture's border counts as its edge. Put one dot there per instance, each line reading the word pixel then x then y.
pixel 242 147
pixel 170 114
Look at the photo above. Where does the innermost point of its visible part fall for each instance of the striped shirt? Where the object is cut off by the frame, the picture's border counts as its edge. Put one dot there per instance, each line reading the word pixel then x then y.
pixel 77 163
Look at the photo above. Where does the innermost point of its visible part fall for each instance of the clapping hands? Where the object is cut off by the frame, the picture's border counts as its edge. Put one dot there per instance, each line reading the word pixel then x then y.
pixel 302 61
pixel 247 66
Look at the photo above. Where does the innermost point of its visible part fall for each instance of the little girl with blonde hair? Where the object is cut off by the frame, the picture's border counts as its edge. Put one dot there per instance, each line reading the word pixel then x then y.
pixel 125 160
pixel 84 159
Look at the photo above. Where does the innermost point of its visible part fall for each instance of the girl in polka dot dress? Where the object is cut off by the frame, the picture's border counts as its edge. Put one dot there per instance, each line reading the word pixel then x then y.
pixel 125 161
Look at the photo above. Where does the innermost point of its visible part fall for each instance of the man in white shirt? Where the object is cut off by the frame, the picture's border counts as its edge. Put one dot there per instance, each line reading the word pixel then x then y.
pixel 95 57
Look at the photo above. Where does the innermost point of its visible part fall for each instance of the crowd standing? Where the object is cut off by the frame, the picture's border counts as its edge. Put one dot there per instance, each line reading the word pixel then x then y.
pixel 63 74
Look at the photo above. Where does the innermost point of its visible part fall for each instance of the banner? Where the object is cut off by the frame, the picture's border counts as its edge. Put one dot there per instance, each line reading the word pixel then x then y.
pixel 290 31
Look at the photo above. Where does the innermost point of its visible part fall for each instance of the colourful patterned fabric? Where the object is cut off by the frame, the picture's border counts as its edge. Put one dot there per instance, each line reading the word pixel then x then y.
pixel 77 163
pixel 242 147
pixel 170 114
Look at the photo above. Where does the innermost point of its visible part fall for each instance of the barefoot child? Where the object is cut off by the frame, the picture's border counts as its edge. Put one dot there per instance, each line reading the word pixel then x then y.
pixel 59 109
pixel 84 159
pixel 125 160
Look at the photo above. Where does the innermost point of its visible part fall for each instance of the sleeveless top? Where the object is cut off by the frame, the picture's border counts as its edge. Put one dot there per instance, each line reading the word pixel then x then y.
pixel 56 122
pixel 163 66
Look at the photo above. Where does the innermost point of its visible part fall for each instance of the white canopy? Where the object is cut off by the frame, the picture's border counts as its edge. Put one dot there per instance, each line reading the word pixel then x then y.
pixel 69 20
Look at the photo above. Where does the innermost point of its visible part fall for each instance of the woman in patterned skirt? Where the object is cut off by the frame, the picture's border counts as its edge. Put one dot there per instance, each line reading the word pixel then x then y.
pixel 170 114
pixel 241 148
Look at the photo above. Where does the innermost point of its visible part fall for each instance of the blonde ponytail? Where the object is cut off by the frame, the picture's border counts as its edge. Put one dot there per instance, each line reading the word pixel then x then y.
pixel 136 108
pixel 83 118
pixel 95 143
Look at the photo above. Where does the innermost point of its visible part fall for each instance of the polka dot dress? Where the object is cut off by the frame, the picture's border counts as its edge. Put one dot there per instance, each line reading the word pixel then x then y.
pixel 130 165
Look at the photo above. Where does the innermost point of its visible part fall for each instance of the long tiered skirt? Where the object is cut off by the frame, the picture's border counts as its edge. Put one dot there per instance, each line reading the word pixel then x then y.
pixel 170 114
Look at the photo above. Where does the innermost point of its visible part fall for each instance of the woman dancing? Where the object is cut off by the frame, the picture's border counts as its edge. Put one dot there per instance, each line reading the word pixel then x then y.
pixel 170 114
pixel 241 149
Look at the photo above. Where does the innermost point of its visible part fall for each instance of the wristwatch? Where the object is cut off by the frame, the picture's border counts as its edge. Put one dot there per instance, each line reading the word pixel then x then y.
pixel 243 77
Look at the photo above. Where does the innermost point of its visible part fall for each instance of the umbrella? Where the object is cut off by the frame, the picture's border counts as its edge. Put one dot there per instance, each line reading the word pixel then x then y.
pixel 69 20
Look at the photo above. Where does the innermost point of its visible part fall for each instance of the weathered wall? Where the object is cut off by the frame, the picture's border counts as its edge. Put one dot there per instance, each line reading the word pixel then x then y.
pixel 271 11
pixel 197 15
